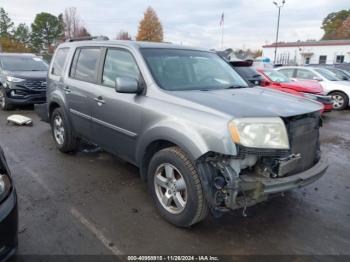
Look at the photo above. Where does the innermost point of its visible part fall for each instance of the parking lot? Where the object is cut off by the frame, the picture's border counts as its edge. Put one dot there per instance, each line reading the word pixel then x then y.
pixel 93 203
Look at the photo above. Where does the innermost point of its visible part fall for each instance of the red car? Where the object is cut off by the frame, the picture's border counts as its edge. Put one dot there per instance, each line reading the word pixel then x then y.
pixel 308 89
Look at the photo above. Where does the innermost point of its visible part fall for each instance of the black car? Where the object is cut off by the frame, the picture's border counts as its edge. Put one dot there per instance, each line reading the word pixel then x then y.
pixel 8 212
pixel 22 80
pixel 247 72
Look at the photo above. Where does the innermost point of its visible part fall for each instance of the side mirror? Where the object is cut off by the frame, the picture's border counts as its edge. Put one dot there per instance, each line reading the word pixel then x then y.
pixel 127 85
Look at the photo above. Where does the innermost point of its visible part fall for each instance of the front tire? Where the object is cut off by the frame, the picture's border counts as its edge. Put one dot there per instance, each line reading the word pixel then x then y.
pixel 62 132
pixel 176 188
pixel 4 104
pixel 341 100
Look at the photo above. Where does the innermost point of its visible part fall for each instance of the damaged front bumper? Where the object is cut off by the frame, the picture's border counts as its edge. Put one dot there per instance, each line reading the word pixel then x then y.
pixel 235 191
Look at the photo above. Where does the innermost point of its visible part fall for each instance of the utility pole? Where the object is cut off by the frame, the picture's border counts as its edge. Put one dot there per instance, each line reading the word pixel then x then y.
pixel 279 6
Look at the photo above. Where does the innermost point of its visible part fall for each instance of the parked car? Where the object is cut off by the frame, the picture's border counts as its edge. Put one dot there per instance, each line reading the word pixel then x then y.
pixel 8 212
pixel 333 86
pixel 202 139
pixel 247 72
pixel 309 89
pixel 22 80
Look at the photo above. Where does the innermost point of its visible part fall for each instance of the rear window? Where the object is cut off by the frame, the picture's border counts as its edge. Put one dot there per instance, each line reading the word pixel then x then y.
pixel 86 64
pixel 248 72
pixel 60 60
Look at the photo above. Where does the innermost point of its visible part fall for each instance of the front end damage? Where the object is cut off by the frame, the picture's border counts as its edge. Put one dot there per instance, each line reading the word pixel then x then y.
pixel 253 175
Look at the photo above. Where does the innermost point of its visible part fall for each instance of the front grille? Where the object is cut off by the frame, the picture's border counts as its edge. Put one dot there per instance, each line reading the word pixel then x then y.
pixel 35 84
pixel 303 134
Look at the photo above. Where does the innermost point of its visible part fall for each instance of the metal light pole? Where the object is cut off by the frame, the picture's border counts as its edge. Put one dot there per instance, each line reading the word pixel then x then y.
pixel 279 6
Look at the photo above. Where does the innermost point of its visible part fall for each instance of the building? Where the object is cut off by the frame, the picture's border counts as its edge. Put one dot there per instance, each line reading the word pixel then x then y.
pixel 309 52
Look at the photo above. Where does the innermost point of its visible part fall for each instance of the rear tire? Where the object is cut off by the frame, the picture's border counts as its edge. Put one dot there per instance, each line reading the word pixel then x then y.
pixel 341 100
pixel 176 188
pixel 62 132
pixel 4 104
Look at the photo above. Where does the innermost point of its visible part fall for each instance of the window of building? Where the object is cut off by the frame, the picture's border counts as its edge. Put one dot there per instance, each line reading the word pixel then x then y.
pixel 119 63
pixel 86 64
pixel 323 59
pixel 307 60
pixel 339 59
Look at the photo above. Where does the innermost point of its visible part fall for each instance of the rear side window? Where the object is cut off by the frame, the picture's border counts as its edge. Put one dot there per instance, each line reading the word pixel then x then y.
pixel 86 64
pixel 305 74
pixel 60 60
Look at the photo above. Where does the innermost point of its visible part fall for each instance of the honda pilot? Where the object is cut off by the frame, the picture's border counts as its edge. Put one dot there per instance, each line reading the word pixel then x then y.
pixel 202 139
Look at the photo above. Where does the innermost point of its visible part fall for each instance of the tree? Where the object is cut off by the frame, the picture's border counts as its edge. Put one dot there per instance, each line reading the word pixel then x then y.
pixel 332 23
pixel 6 25
pixel 123 35
pixel 150 28
pixel 8 44
pixel 46 29
pixel 344 30
pixel 22 34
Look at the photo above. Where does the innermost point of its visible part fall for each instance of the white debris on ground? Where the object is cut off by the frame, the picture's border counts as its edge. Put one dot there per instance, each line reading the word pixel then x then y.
pixel 20 120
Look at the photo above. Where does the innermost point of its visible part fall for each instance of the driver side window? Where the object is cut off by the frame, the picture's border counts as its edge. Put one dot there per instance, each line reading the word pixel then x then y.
pixel 305 74
pixel 119 63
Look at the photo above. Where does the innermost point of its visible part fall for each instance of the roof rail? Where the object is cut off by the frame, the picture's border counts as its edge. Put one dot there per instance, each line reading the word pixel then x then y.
pixel 83 38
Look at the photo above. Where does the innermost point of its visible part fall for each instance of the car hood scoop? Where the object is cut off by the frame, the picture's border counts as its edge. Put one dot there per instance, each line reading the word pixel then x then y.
pixel 251 102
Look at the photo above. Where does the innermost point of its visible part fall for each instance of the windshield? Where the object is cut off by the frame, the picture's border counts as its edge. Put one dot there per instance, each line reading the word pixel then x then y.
pixel 175 69
pixel 327 74
pixel 23 63
pixel 276 76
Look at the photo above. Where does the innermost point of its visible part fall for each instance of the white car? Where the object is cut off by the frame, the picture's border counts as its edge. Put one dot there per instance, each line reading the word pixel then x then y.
pixel 338 89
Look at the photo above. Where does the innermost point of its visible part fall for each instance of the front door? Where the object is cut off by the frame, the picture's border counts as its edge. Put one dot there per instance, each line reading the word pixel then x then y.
pixel 116 117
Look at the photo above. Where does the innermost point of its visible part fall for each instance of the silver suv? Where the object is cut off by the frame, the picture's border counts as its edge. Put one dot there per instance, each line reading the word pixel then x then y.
pixel 202 139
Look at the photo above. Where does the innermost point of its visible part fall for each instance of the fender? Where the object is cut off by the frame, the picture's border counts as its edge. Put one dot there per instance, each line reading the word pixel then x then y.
pixel 190 139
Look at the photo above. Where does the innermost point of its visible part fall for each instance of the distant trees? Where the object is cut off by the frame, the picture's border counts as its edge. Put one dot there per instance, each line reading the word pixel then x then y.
pixel 123 35
pixel 6 25
pixel 72 24
pixel 150 28
pixel 46 29
pixel 22 34
pixel 336 25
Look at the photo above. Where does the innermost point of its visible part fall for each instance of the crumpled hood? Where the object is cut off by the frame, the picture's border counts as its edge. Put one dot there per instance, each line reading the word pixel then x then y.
pixel 28 74
pixel 304 86
pixel 251 102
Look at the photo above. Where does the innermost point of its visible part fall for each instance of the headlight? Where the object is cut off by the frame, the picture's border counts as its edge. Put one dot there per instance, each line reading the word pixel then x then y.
pixel 269 132
pixel 5 186
pixel 14 79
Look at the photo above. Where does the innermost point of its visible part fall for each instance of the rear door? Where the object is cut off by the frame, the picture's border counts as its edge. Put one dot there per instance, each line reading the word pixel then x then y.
pixel 116 117
pixel 79 86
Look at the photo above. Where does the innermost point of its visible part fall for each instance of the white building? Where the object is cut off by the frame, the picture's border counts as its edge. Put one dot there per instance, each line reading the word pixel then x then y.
pixel 309 52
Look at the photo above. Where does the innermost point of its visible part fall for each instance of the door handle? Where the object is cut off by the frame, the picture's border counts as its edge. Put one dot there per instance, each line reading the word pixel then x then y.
pixel 99 100
pixel 66 89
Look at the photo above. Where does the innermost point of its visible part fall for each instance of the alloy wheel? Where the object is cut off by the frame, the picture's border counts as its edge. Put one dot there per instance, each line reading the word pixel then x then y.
pixel 58 129
pixel 338 101
pixel 170 187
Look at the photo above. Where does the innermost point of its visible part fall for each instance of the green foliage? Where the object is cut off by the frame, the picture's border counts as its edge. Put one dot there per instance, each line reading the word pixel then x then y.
pixel 22 34
pixel 332 25
pixel 6 25
pixel 46 29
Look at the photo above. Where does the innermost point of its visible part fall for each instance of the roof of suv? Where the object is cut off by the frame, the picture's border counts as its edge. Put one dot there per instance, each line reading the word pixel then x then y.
pixel 130 43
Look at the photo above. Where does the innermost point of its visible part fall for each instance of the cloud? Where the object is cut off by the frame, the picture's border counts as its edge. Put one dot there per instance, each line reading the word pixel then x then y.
pixel 248 23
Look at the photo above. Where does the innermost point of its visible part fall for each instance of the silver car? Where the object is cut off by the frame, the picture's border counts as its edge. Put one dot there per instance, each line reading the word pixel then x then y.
pixel 202 139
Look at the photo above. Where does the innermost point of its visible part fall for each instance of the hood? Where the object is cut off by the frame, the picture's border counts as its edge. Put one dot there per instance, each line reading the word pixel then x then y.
pixel 304 86
pixel 28 74
pixel 251 102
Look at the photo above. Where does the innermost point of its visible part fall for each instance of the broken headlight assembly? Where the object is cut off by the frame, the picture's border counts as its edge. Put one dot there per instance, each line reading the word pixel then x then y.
pixel 264 132
pixel 5 186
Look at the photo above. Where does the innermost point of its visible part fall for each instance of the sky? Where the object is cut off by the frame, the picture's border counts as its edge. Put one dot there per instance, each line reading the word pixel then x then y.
pixel 247 23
